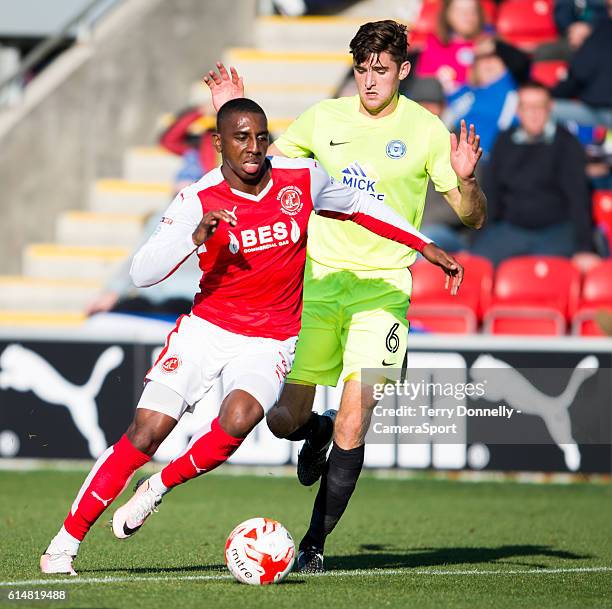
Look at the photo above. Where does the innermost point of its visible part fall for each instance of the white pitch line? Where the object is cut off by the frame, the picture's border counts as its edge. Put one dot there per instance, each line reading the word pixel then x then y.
pixel 338 573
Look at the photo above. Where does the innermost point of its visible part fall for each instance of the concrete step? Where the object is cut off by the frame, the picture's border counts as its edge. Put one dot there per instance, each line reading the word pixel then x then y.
pixel 14 319
pixel 150 164
pixel 99 229
pixel 124 196
pixel 329 34
pixel 287 100
pixel 259 67
pixel 18 293
pixel 72 261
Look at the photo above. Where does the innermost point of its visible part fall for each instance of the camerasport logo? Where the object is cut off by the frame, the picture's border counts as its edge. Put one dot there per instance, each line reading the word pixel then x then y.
pixel 171 364
pixel 289 197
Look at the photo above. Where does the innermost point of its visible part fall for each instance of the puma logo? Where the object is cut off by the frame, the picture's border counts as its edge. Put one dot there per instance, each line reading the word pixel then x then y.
pixel 24 370
pixel 104 501
pixel 512 387
pixel 197 469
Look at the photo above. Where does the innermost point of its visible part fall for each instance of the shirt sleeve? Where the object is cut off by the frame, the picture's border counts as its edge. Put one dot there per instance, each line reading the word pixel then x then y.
pixel 334 200
pixel 438 164
pixel 171 242
pixel 297 140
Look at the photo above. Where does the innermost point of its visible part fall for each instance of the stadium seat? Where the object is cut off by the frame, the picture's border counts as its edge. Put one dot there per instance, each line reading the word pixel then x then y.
pixel 427 21
pixel 602 213
pixel 435 310
pixel 533 295
pixel 596 294
pixel 549 73
pixel 526 23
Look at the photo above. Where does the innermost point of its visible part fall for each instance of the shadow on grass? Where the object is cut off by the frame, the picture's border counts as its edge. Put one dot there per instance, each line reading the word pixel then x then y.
pixel 376 556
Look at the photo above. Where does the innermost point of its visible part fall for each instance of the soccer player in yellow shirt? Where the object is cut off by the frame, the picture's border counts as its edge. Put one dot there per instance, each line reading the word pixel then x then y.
pixel 357 286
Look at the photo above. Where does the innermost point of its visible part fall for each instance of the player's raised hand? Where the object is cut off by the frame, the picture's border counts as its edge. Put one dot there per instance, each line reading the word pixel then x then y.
pixel 224 86
pixel 465 152
pixel 209 224
pixel 453 270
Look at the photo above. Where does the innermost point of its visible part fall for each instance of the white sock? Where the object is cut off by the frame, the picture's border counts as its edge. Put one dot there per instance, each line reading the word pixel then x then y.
pixel 156 484
pixel 64 542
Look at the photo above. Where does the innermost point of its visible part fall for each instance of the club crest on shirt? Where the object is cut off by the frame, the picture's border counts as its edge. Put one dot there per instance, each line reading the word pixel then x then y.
pixel 396 149
pixel 289 197
pixel 171 364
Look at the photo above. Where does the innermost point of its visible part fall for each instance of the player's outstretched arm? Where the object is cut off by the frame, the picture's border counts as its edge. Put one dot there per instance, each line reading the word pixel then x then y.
pixel 334 200
pixel 224 86
pixel 468 201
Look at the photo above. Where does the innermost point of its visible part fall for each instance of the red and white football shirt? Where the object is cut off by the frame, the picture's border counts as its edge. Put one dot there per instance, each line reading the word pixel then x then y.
pixel 252 273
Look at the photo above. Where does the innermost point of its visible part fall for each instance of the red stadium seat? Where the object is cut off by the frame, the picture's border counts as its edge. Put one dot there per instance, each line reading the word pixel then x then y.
pixel 602 213
pixel 526 23
pixel 436 310
pixel 427 21
pixel 596 294
pixel 533 295
pixel 549 73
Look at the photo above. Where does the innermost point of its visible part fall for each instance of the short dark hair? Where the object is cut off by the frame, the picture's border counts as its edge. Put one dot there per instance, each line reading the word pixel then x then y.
pixel 380 36
pixel 534 84
pixel 242 105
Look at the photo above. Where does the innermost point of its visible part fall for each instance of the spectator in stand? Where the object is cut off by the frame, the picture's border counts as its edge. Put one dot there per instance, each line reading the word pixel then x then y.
pixel 190 136
pixel 589 79
pixel 488 101
pixel 536 186
pixel 449 53
pixel 575 20
pixel 462 31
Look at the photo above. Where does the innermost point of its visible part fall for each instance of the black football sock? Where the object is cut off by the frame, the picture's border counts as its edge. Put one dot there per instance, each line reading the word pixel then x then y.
pixel 317 430
pixel 337 486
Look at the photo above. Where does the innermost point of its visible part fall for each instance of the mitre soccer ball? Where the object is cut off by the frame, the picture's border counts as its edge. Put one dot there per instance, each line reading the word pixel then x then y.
pixel 259 551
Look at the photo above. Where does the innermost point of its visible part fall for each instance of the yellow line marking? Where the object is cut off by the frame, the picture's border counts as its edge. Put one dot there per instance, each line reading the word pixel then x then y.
pixel 246 54
pixel 44 282
pixel 77 251
pixel 111 185
pixel 152 150
pixel 94 216
pixel 41 318
pixel 319 20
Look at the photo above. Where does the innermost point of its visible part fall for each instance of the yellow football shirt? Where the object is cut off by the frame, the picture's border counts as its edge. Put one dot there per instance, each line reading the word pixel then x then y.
pixel 391 158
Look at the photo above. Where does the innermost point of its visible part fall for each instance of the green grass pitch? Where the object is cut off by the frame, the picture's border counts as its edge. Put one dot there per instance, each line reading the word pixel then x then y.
pixel 403 543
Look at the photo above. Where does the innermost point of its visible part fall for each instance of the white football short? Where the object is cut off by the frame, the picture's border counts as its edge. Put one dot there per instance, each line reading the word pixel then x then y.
pixel 197 354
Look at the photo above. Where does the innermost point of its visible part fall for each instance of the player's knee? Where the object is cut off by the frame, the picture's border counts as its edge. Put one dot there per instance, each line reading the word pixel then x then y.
pixel 239 415
pixel 279 423
pixel 348 432
pixel 144 438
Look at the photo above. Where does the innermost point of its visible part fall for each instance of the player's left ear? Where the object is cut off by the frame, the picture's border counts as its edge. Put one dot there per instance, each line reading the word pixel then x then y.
pixel 404 70
pixel 217 142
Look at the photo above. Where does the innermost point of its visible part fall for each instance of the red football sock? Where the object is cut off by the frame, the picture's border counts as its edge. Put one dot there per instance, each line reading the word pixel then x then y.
pixel 106 481
pixel 207 450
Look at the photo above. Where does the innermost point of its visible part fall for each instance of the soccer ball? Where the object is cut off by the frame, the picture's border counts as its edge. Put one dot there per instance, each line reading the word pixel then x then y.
pixel 259 551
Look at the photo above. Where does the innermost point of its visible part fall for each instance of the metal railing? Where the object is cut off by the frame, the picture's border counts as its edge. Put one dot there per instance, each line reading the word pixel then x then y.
pixel 81 22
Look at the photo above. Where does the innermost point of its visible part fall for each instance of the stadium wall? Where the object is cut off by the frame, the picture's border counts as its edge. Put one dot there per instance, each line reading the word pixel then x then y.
pixel 101 96
pixel 69 394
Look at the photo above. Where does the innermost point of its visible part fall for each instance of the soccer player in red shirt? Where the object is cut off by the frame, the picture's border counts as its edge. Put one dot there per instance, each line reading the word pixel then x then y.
pixel 247 223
